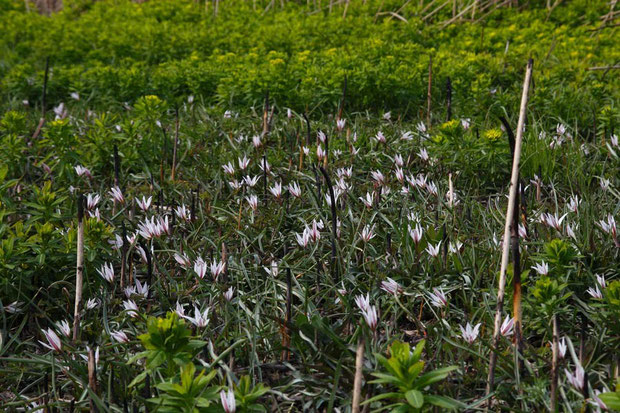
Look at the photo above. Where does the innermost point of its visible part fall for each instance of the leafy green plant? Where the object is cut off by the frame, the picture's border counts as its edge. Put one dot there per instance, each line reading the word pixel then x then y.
pixel 189 393
pixel 167 341
pixel 404 369
pixel 247 395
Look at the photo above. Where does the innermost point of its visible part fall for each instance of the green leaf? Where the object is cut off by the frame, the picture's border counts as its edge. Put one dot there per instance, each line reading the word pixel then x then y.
pixel 611 400
pixel 415 398
pixel 434 376
pixel 445 402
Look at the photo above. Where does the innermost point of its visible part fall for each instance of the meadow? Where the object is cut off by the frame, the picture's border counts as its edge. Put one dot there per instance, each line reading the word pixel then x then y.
pixel 302 206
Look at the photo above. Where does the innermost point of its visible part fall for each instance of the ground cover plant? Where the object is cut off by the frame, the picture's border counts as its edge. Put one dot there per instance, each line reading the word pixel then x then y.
pixel 249 243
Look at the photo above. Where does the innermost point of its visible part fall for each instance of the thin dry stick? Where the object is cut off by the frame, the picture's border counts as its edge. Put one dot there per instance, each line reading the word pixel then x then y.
pixel 428 95
pixel 554 364
pixel 79 267
pixel 509 218
pixel 92 377
pixel 357 382
pixel 174 147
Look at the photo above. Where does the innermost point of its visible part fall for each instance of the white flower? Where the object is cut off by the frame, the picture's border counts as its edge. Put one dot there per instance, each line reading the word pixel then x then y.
pixel 433 250
pixel 614 140
pixel 145 203
pixel 465 123
pixel 398 160
pixel 190 99
pixel 235 184
pixel 552 220
pixel 577 379
pixel 387 115
pixel 252 201
pixel 120 336
pixel 367 233
pixel 294 189
pixel 423 154
pixel 522 231
pixel 416 233
pixel 371 317
pixel 604 184
pixel 507 326
pixel 378 177
pixel 179 309
pixel 438 298
pixel 244 162
pixel 131 307
pixel 13 308
pixel 200 319
pixel 53 341
pixel 200 267
pixel 228 401
pixel 562 346
pixel 75 95
pixel 321 136
pixel 251 181
pixel 183 213
pixel 229 168
pixel 304 238
pixel 116 243
pixel 142 289
pixel 595 292
pixel 264 165
pixel 182 259
pixel 369 200
pixel 391 286
pixel 601 281
pixel 573 203
pixel 470 334
pixel 217 268
pixel 228 294
pixel 117 194
pixel 81 171
pixel 107 272
pixel 273 269
pixel 92 303
pixel 340 123
pixel 276 190
pixel 289 113
pixel 320 153
pixel 542 268
pixel 64 328
pixel 407 136
pixel 363 302
pixel 380 137
pixel 256 141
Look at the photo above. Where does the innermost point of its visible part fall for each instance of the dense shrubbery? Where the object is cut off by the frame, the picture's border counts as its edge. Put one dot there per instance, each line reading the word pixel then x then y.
pixel 117 52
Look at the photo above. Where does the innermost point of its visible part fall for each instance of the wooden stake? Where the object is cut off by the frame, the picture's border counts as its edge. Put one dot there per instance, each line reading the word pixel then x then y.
pixel 92 377
pixel 79 267
pixel 357 382
pixel 554 364
pixel 509 219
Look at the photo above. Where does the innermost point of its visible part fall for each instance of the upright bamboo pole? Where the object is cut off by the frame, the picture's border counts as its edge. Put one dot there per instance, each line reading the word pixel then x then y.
pixel 509 219
pixel 357 382
pixel 79 267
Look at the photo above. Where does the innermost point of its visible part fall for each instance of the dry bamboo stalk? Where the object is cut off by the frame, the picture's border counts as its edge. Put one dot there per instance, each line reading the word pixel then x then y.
pixel 357 382
pixel 92 377
pixel 554 364
pixel 509 219
pixel 79 267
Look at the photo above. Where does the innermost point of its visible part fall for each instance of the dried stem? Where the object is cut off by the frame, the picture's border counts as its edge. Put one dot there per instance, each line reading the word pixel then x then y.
pixel 509 219
pixel 357 382
pixel 79 267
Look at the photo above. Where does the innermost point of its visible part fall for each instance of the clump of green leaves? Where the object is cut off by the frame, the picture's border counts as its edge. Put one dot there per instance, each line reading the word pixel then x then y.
pixel 168 343
pixel 188 393
pixel 404 369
